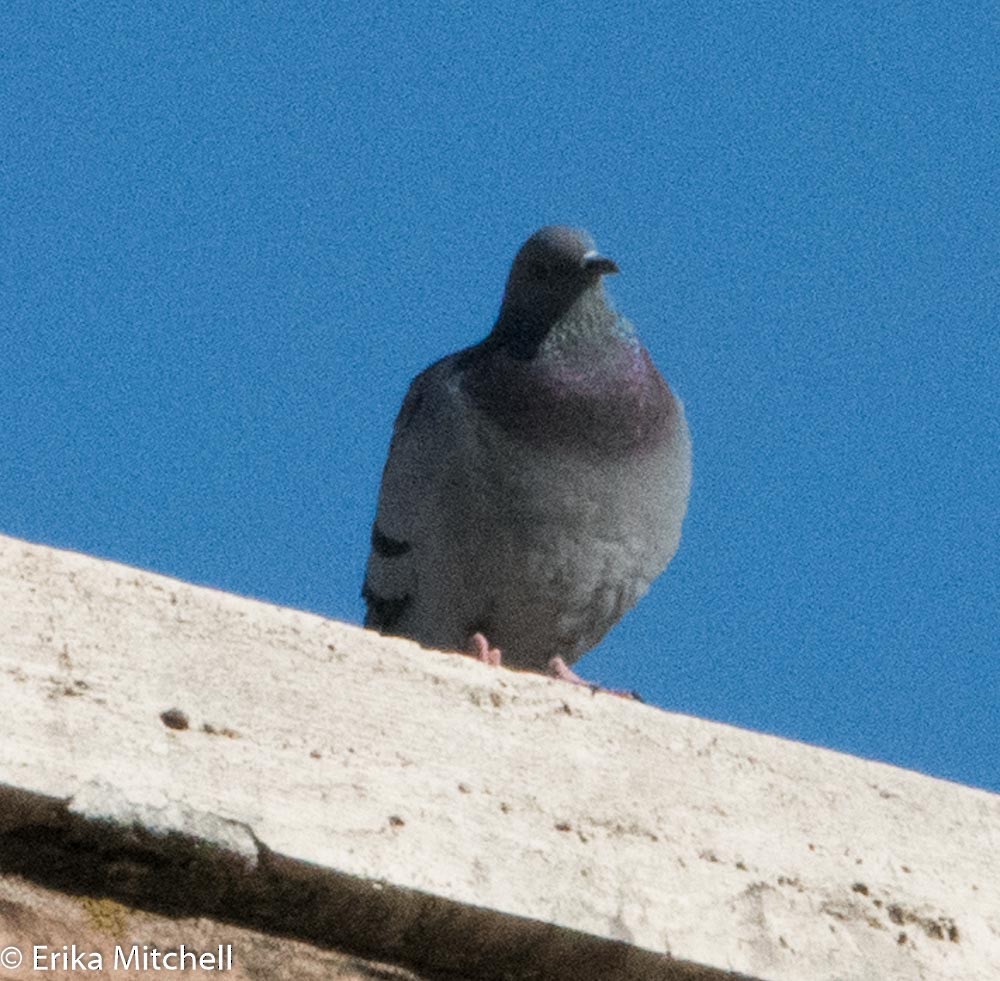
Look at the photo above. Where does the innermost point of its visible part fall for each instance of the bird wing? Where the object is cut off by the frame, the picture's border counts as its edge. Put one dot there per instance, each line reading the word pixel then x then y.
pixel 406 517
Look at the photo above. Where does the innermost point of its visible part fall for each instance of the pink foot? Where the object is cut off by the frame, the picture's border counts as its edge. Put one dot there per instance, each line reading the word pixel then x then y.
pixel 558 668
pixel 479 648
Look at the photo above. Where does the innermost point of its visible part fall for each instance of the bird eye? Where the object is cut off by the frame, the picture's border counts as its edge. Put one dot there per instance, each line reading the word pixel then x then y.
pixel 538 271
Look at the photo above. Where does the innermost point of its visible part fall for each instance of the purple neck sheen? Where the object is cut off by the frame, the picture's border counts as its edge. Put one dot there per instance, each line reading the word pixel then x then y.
pixel 611 403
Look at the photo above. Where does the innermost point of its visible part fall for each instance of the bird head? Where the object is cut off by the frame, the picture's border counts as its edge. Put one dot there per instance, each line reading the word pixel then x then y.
pixel 554 270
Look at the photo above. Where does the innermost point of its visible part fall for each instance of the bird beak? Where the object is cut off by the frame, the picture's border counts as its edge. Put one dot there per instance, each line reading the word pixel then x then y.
pixel 597 263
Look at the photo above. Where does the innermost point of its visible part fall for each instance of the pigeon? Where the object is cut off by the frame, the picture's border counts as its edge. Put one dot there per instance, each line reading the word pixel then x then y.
pixel 536 481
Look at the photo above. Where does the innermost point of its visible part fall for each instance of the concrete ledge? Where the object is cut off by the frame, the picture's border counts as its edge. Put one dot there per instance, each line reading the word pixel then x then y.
pixel 190 754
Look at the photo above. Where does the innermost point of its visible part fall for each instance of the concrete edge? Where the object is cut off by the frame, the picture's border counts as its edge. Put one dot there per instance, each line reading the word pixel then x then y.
pixel 137 858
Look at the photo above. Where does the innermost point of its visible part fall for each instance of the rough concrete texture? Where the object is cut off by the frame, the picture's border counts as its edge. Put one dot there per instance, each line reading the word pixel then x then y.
pixel 199 756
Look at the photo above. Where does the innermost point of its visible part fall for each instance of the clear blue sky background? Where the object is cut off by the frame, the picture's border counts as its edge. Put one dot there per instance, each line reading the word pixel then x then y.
pixel 230 234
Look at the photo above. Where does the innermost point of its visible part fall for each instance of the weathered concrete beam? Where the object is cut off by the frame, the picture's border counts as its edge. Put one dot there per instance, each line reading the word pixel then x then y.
pixel 191 754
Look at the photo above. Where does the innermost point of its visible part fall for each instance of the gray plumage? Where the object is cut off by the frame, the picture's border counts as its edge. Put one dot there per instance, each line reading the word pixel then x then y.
pixel 537 481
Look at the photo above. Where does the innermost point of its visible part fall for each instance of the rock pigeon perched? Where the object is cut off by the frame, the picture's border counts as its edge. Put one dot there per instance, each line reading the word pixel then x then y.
pixel 536 481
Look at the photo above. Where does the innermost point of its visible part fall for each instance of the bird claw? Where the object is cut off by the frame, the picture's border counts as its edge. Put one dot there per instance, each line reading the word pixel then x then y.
pixel 480 649
pixel 558 668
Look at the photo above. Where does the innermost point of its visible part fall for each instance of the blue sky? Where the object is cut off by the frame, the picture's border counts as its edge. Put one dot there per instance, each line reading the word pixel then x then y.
pixel 230 234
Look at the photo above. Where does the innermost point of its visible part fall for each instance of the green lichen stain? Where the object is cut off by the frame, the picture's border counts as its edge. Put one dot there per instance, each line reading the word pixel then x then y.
pixel 106 916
